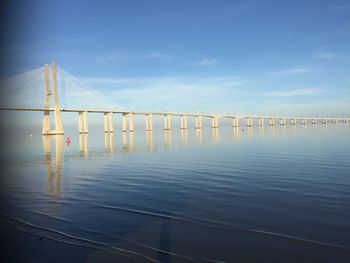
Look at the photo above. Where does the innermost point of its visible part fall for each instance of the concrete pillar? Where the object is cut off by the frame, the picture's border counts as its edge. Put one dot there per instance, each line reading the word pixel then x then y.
pixel 110 119
pixel 169 121
pixel 80 122
pixel 313 121
pixel 213 122
pixel 324 121
pixel 249 122
pixel 58 119
pixel 216 122
pixel 185 122
pixel 150 122
pixel 165 122
pixel 261 121
pixel 124 122
pixel 85 118
pixel 283 121
pixel 334 120
pixel 147 122
pixel 46 120
pixel 303 121
pixel 131 121
pixel 200 122
pixel 105 121
pixel 292 121
pixel 272 122
pixel 181 122
pixel 235 122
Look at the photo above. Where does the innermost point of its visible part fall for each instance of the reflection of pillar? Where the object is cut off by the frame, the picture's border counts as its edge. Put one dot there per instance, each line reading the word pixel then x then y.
pixel 261 130
pixel 131 121
pixel 235 133
pixel 58 162
pixel 183 135
pixel 85 118
pixel 214 134
pixel 131 142
pixel 80 122
pixel 167 138
pixel 199 136
pixel 110 119
pixel 125 139
pixel 81 143
pixel 149 139
pixel 106 141
pixel 111 142
pixel 250 131
pixel 48 161
pixel 86 145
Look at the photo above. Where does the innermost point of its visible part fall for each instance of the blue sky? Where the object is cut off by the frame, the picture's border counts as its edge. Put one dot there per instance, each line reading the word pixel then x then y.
pixel 279 57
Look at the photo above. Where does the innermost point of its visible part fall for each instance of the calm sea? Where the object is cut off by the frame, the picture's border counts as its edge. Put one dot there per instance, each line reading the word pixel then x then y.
pixel 277 194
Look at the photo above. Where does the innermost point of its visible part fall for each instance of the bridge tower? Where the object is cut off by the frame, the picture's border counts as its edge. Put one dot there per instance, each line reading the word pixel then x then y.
pixel 57 109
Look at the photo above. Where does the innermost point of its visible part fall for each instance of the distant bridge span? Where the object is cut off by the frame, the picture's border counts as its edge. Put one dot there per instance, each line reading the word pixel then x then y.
pixel 108 114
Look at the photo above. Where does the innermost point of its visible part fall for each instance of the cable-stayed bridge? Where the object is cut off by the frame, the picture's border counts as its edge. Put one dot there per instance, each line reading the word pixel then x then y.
pixel 51 89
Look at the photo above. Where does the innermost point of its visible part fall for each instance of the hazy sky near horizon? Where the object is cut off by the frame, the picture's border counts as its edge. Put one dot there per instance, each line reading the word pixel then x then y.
pixel 279 57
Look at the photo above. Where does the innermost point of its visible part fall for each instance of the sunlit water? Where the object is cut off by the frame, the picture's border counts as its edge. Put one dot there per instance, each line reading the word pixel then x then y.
pixel 277 194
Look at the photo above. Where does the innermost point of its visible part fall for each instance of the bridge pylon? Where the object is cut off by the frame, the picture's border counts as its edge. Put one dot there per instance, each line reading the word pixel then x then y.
pixel 47 102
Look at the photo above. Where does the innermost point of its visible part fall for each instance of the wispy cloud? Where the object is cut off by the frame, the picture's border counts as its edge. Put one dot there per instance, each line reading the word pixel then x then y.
pixel 156 55
pixel 323 55
pixel 295 92
pixel 178 92
pixel 290 72
pixel 110 57
pixel 207 61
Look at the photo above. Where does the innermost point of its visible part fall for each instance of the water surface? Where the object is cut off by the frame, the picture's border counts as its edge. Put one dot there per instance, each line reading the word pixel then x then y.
pixel 278 194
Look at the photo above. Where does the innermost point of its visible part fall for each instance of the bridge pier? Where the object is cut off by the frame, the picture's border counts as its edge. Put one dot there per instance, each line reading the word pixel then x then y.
pixel 131 121
pixel 183 122
pixel 85 122
pixel 214 122
pixel 105 121
pixel 198 122
pixel 334 120
pixel 149 122
pixel 235 122
pixel 167 122
pixel 293 122
pixel 124 122
pixel 313 121
pixel 282 121
pixel 80 122
pixel 324 121
pixel 249 122
pixel 303 121
pixel 272 122
pixel 261 121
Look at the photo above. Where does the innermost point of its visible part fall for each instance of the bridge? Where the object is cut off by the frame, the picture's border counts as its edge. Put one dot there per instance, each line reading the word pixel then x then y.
pixel 37 91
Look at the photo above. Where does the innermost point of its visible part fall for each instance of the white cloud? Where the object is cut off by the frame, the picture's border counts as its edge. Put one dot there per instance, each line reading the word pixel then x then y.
pixel 323 55
pixel 207 61
pixel 290 72
pixel 156 55
pixel 295 92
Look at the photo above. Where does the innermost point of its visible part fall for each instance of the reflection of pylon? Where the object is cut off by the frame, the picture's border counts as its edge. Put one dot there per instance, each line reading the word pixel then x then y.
pixel 58 120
